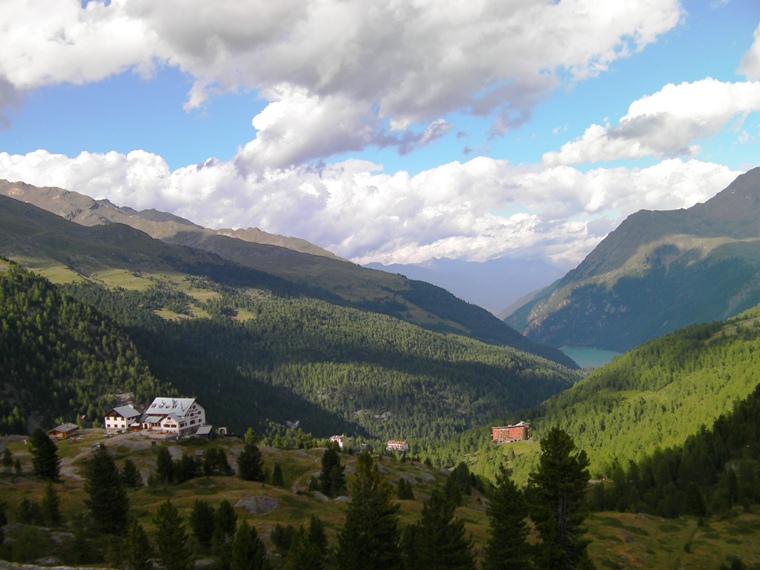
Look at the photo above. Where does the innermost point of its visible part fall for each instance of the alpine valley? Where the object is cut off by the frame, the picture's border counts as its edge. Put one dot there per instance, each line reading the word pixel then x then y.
pixel 102 305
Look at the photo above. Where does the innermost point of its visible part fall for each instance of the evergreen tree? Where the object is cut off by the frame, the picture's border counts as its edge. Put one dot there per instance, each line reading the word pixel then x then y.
pixel 282 537
pixel 7 460
pixel 558 492
pixel 404 490
pixel 248 551
pixel 225 523
pixel 369 539
pixel 332 481
pixel 304 554
pixel 130 475
pixel 108 503
pixel 51 506
pixel 316 534
pixel 171 538
pixel 277 479
pixel 45 460
pixel 164 466
pixel 202 523
pixel 507 512
pixel 137 550
pixel 250 463
pixel 440 539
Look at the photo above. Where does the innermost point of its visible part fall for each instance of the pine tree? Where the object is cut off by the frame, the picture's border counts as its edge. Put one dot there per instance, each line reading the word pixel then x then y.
pixel 248 551
pixel 202 523
pixel 7 460
pixel 316 533
pixel 225 523
pixel 137 550
pixel 369 539
pixel 304 554
pixel 108 503
pixel 171 538
pixel 332 481
pixel 45 460
pixel 51 506
pixel 440 538
pixel 558 491
pixel 250 463
pixel 164 466
pixel 130 475
pixel 507 512
pixel 277 479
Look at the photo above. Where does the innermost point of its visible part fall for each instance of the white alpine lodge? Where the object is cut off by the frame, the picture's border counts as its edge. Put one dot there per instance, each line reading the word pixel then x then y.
pixel 171 416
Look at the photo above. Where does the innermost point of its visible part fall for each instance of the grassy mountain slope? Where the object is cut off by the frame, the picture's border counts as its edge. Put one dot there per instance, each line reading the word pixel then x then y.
pixel 653 396
pixel 290 269
pixel 659 271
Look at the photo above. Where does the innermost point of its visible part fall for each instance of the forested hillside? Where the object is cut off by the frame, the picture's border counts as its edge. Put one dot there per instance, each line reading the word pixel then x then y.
pixel 61 359
pixel 105 238
pixel 650 398
pixel 256 356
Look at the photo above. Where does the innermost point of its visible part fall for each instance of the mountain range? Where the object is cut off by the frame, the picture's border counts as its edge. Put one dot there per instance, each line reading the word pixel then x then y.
pixel 496 284
pixel 262 333
pixel 294 264
pixel 657 272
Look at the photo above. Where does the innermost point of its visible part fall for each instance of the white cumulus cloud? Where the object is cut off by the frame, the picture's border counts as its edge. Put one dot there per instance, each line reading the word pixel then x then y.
pixel 667 123
pixel 477 210
pixel 374 67
pixel 750 64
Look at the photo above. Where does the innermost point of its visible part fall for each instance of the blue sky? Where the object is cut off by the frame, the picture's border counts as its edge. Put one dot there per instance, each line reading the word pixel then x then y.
pixel 386 132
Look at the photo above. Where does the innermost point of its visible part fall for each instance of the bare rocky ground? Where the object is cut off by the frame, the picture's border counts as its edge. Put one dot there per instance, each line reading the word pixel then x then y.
pixel 131 440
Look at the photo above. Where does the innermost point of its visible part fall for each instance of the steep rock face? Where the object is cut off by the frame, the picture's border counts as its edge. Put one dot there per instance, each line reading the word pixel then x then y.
pixel 657 272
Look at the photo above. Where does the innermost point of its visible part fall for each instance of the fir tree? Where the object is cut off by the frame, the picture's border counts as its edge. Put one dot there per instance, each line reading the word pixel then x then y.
pixel 316 533
pixel 440 538
pixel 130 475
pixel 332 481
pixel 277 479
pixel 250 464
pixel 202 523
pixel 51 506
pixel 171 538
pixel 404 490
pixel 7 460
pixel 558 492
pixel 225 523
pixel 304 554
pixel 248 551
pixel 108 503
pixel 507 512
pixel 369 539
pixel 137 550
pixel 164 466
pixel 45 460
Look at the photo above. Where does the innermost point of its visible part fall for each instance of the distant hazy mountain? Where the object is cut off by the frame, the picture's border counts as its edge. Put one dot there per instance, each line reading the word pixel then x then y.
pixel 657 272
pixel 494 285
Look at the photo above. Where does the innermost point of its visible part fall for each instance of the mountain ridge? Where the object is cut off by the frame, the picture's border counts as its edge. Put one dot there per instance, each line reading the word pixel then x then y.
pixel 656 272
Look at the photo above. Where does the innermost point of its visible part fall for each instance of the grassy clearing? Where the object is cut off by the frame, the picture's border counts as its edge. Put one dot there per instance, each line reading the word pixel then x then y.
pixel 618 540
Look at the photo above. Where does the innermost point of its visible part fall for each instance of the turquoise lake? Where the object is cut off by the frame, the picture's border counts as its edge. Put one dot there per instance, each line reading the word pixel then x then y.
pixel 589 357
